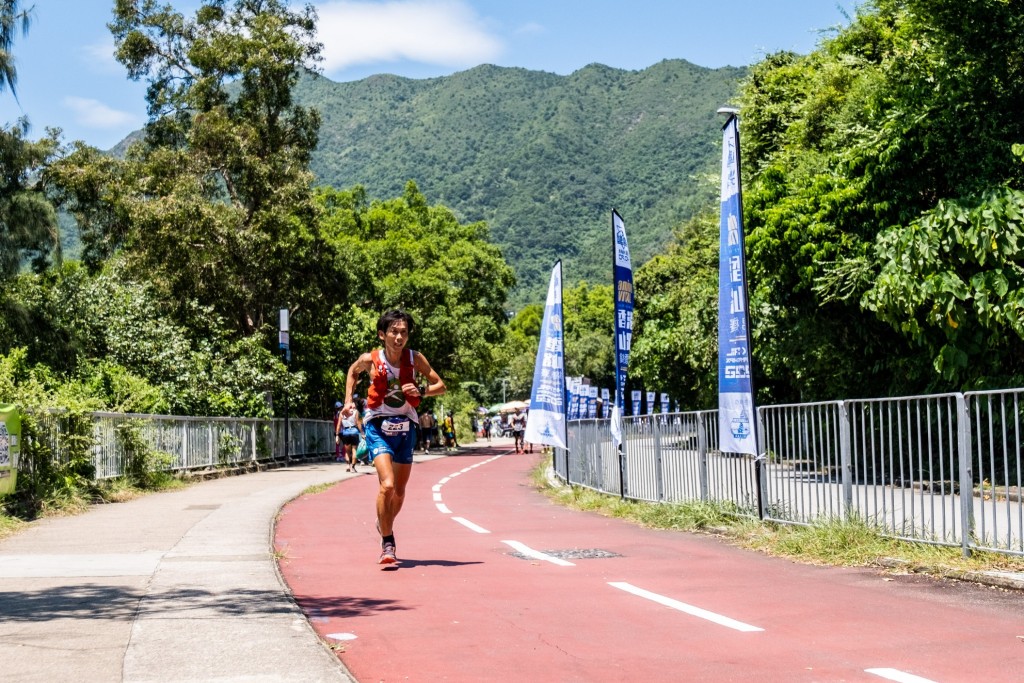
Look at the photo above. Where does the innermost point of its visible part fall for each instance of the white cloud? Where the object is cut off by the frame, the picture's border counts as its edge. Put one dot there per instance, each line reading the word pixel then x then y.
pixel 100 56
pixel 531 29
pixel 94 114
pixel 438 32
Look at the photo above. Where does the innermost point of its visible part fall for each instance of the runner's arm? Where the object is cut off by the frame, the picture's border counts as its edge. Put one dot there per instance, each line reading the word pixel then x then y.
pixel 362 364
pixel 435 386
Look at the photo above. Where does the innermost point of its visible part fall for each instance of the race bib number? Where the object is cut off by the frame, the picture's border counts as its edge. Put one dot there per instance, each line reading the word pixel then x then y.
pixel 394 426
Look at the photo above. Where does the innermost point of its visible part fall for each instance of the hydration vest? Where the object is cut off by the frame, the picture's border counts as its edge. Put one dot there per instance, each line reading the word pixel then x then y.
pixel 379 379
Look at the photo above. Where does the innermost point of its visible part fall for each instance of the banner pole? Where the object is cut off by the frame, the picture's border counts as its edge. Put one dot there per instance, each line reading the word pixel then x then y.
pixel 759 456
pixel 565 402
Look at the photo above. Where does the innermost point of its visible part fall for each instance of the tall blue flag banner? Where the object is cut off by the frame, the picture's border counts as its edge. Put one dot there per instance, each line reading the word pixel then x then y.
pixel 623 275
pixel 736 412
pixel 545 423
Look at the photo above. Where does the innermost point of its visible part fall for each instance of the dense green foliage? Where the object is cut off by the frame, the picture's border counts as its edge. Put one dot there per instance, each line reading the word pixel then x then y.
pixel 210 222
pixel 676 322
pixel 881 208
pixel 28 222
pixel 402 253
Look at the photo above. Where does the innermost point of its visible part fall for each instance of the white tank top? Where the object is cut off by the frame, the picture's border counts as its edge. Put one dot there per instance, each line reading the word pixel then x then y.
pixel 394 404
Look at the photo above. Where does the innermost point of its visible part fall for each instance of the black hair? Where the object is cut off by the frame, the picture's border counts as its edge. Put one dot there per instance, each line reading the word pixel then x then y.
pixel 392 317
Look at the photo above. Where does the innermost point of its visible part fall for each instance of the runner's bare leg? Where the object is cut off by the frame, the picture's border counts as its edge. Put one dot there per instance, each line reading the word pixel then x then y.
pixel 393 478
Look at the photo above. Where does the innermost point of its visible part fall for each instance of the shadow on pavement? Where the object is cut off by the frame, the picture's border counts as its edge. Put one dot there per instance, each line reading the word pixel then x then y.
pixel 120 603
pixel 344 607
pixel 405 562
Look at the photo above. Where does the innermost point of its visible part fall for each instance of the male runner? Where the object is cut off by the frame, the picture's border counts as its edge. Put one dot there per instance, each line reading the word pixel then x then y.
pixel 390 419
pixel 518 422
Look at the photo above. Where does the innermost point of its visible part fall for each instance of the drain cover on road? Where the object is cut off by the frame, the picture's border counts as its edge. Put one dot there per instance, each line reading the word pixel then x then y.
pixel 574 554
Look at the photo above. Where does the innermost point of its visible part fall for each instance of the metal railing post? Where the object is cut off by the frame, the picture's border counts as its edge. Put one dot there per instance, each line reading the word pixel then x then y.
pixel 963 431
pixel 702 455
pixel 659 479
pixel 845 459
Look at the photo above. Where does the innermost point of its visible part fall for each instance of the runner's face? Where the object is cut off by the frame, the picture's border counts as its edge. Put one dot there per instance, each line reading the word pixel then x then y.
pixel 396 336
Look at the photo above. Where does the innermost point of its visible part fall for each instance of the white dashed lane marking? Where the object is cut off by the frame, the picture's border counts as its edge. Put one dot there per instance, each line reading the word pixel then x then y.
pixel 683 607
pixel 898 676
pixel 469 525
pixel 537 555
pixel 439 501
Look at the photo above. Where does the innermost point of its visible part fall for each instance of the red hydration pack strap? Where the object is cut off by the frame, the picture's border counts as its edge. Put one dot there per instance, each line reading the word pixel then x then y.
pixel 379 381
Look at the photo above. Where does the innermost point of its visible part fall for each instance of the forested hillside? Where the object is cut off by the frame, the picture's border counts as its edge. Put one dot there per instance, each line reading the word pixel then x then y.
pixel 542 158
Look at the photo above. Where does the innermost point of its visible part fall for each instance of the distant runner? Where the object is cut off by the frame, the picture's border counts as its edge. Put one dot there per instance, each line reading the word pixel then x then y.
pixel 390 421
pixel 518 423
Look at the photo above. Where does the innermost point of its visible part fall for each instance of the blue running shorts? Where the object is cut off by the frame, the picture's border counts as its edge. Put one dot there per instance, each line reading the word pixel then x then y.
pixel 393 435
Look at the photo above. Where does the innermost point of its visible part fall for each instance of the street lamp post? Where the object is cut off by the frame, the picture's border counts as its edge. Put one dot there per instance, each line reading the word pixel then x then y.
pixel 284 344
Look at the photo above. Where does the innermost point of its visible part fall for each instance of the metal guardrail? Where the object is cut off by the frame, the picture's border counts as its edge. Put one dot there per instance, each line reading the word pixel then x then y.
pixel 187 443
pixel 943 469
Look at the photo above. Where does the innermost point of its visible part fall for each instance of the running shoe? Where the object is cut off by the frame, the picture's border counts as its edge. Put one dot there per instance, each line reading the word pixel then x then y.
pixel 387 555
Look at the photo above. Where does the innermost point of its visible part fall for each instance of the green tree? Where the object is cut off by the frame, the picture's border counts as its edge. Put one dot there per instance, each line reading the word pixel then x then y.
pixel 951 282
pixel 28 223
pixel 518 355
pixel 114 340
pixel 589 333
pixel 675 341
pixel 403 253
pixel 215 205
pixel 589 348
pixel 12 16
pixel 888 117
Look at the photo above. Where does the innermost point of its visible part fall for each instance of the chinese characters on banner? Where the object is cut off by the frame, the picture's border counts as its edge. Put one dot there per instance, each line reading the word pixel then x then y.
pixel 545 423
pixel 736 413
pixel 623 276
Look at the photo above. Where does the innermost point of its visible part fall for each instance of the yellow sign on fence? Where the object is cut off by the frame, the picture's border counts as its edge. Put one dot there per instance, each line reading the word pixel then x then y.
pixel 10 446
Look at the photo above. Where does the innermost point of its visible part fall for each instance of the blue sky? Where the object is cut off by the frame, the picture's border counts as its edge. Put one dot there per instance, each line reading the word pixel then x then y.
pixel 68 78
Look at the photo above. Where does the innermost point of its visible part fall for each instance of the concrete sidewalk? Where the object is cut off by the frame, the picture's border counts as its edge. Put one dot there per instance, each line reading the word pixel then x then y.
pixel 174 586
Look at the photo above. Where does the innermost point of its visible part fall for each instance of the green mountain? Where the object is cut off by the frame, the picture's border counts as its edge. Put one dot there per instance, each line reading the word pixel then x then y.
pixel 542 158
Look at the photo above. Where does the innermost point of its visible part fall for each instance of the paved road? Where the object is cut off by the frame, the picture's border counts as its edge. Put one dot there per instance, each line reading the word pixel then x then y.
pixel 173 586
pixel 496 583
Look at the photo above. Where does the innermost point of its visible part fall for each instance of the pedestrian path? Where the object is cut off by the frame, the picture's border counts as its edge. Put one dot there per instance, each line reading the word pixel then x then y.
pixel 174 586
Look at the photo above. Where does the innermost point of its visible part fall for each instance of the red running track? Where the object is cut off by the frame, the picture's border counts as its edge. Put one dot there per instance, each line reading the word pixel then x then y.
pixel 462 606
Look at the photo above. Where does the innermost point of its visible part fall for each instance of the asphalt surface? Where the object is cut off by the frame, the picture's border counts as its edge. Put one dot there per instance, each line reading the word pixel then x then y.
pixel 175 586
pixel 185 586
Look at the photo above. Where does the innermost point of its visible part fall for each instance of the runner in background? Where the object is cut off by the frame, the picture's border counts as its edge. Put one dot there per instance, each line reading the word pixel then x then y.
pixel 337 431
pixel 451 442
pixel 351 432
pixel 429 426
pixel 518 424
